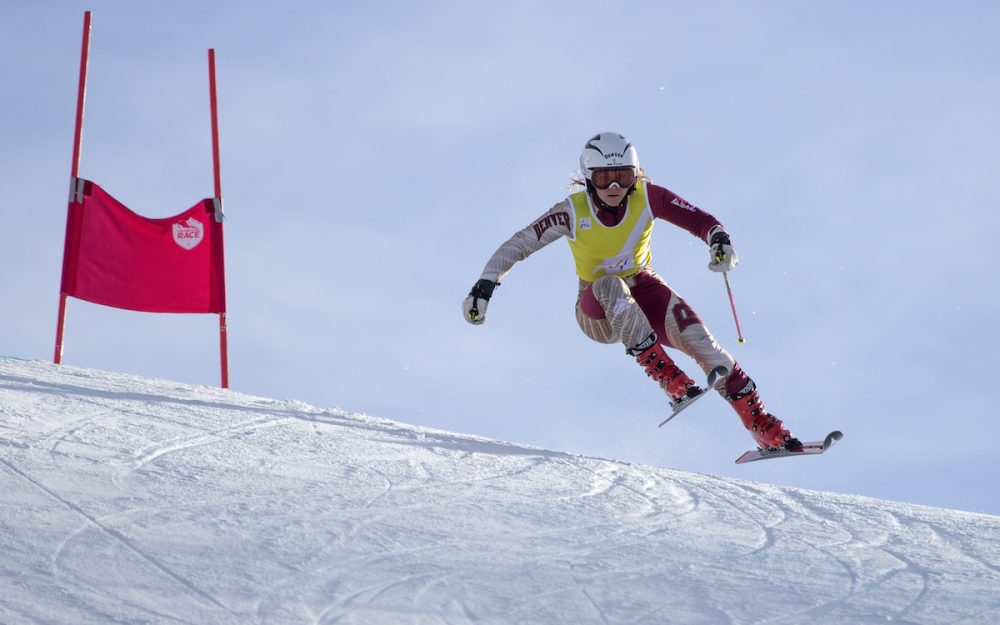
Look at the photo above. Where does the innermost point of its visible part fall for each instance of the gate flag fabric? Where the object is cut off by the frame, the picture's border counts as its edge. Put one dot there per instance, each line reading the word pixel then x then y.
pixel 118 258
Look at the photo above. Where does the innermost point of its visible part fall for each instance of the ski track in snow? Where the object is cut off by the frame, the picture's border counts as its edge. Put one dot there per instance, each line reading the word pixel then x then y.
pixel 114 534
pixel 129 500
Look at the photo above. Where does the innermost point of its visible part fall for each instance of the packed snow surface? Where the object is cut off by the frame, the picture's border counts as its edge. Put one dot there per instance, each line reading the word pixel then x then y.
pixel 130 500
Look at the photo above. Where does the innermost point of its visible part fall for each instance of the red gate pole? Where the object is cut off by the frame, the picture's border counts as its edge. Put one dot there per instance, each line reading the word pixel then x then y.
pixel 81 95
pixel 223 340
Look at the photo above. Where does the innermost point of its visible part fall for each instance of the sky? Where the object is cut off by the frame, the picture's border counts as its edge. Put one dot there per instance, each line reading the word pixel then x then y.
pixel 375 154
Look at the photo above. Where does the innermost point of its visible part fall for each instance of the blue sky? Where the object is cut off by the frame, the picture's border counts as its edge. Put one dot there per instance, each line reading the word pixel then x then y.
pixel 375 154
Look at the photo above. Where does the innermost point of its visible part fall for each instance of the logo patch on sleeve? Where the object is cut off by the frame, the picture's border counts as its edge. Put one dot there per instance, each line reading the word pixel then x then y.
pixel 556 219
pixel 679 202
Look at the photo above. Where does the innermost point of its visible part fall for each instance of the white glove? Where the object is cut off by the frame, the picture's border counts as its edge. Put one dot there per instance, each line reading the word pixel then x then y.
pixel 474 306
pixel 724 258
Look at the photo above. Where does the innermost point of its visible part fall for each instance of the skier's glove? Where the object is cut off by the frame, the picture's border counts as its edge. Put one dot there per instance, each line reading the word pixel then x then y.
pixel 474 306
pixel 724 257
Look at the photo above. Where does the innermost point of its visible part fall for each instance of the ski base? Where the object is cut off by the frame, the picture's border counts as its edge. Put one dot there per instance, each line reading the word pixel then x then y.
pixel 807 449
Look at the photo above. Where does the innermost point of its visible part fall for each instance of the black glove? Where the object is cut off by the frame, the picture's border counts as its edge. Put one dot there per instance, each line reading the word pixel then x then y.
pixel 474 306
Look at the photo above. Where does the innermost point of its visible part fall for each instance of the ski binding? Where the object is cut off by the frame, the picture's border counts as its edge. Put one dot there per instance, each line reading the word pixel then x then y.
pixel 812 448
pixel 715 378
pixel 681 404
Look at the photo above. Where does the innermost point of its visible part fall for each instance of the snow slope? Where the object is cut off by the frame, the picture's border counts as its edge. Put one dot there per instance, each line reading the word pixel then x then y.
pixel 130 500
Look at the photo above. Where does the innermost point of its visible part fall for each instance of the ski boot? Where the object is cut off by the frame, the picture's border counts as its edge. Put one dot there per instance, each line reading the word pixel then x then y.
pixel 680 389
pixel 767 430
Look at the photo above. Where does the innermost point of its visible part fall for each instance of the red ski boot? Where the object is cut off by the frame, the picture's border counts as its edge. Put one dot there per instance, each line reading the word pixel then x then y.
pixel 766 429
pixel 678 386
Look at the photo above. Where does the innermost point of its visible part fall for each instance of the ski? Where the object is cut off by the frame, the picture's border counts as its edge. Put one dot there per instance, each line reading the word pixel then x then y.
pixel 812 448
pixel 682 404
pixel 716 378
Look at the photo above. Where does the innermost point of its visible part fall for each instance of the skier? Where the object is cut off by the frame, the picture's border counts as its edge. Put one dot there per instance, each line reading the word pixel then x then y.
pixel 621 298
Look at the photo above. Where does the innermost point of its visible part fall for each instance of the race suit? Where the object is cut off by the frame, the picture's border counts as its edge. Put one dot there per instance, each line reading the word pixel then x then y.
pixel 621 298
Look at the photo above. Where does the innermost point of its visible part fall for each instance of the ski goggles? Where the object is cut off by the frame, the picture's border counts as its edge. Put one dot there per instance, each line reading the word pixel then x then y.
pixel 604 178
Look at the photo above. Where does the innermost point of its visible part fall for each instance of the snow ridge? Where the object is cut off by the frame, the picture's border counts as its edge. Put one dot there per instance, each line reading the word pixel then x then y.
pixel 130 500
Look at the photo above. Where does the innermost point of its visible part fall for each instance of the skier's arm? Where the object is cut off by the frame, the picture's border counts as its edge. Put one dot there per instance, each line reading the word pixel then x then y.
pixel 669 206
pixel 554 224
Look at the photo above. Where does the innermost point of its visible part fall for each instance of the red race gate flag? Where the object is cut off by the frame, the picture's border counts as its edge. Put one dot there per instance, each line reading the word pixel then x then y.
pixel 117 258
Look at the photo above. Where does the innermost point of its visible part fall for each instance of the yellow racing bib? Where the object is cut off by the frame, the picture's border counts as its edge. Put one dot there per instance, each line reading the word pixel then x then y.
pixel 621 250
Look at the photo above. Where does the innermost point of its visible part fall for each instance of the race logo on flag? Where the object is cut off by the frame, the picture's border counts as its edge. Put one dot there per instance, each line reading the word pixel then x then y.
pixel 188 233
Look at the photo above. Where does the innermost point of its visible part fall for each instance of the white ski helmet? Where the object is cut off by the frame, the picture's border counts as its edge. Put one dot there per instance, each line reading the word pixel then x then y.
pixel 607 149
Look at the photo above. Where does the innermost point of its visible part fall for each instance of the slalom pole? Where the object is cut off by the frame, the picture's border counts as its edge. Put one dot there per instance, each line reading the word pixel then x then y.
pixel 81 95
pixel 732 304
pixel 217 176
pixel 215 123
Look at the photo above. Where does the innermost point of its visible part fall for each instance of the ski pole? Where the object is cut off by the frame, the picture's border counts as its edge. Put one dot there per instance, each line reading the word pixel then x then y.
pixel 732 304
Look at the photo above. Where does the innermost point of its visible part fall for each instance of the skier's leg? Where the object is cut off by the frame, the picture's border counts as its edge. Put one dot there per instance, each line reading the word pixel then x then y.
pixel 678 324
pixel 607 313
pixel 738 389
pixel 685 331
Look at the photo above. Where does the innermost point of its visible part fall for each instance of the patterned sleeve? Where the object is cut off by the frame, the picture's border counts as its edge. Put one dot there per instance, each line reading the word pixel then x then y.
pixel 556 223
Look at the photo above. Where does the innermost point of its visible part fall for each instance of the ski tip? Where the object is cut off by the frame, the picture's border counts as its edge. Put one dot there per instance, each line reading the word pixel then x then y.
pixel 832 438
pixel 717 376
